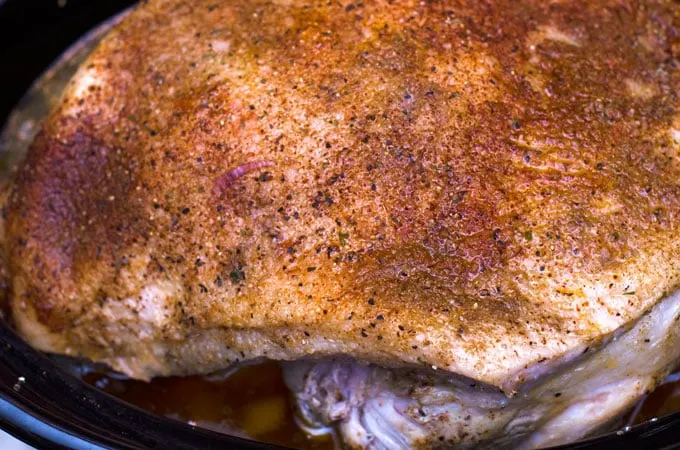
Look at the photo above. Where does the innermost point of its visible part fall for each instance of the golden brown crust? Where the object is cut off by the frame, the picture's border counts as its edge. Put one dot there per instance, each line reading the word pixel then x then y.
pixel 474 185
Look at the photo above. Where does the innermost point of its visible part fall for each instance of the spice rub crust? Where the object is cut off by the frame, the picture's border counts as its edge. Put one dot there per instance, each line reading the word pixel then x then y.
pixel 476 186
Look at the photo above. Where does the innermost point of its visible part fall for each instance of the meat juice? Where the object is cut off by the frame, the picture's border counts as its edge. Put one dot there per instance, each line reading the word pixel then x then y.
pixel 254 402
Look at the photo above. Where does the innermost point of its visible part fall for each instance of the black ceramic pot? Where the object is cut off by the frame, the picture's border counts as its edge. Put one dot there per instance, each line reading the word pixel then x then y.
pixel 47 407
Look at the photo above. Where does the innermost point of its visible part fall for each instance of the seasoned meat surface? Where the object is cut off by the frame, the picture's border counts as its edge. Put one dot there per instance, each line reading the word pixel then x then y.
pixel 387 409
pixel 486 188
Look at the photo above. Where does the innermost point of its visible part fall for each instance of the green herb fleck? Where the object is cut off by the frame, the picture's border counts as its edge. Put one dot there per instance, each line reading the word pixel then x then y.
pixel 237 275
pixel 528 235
pixel 342 237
